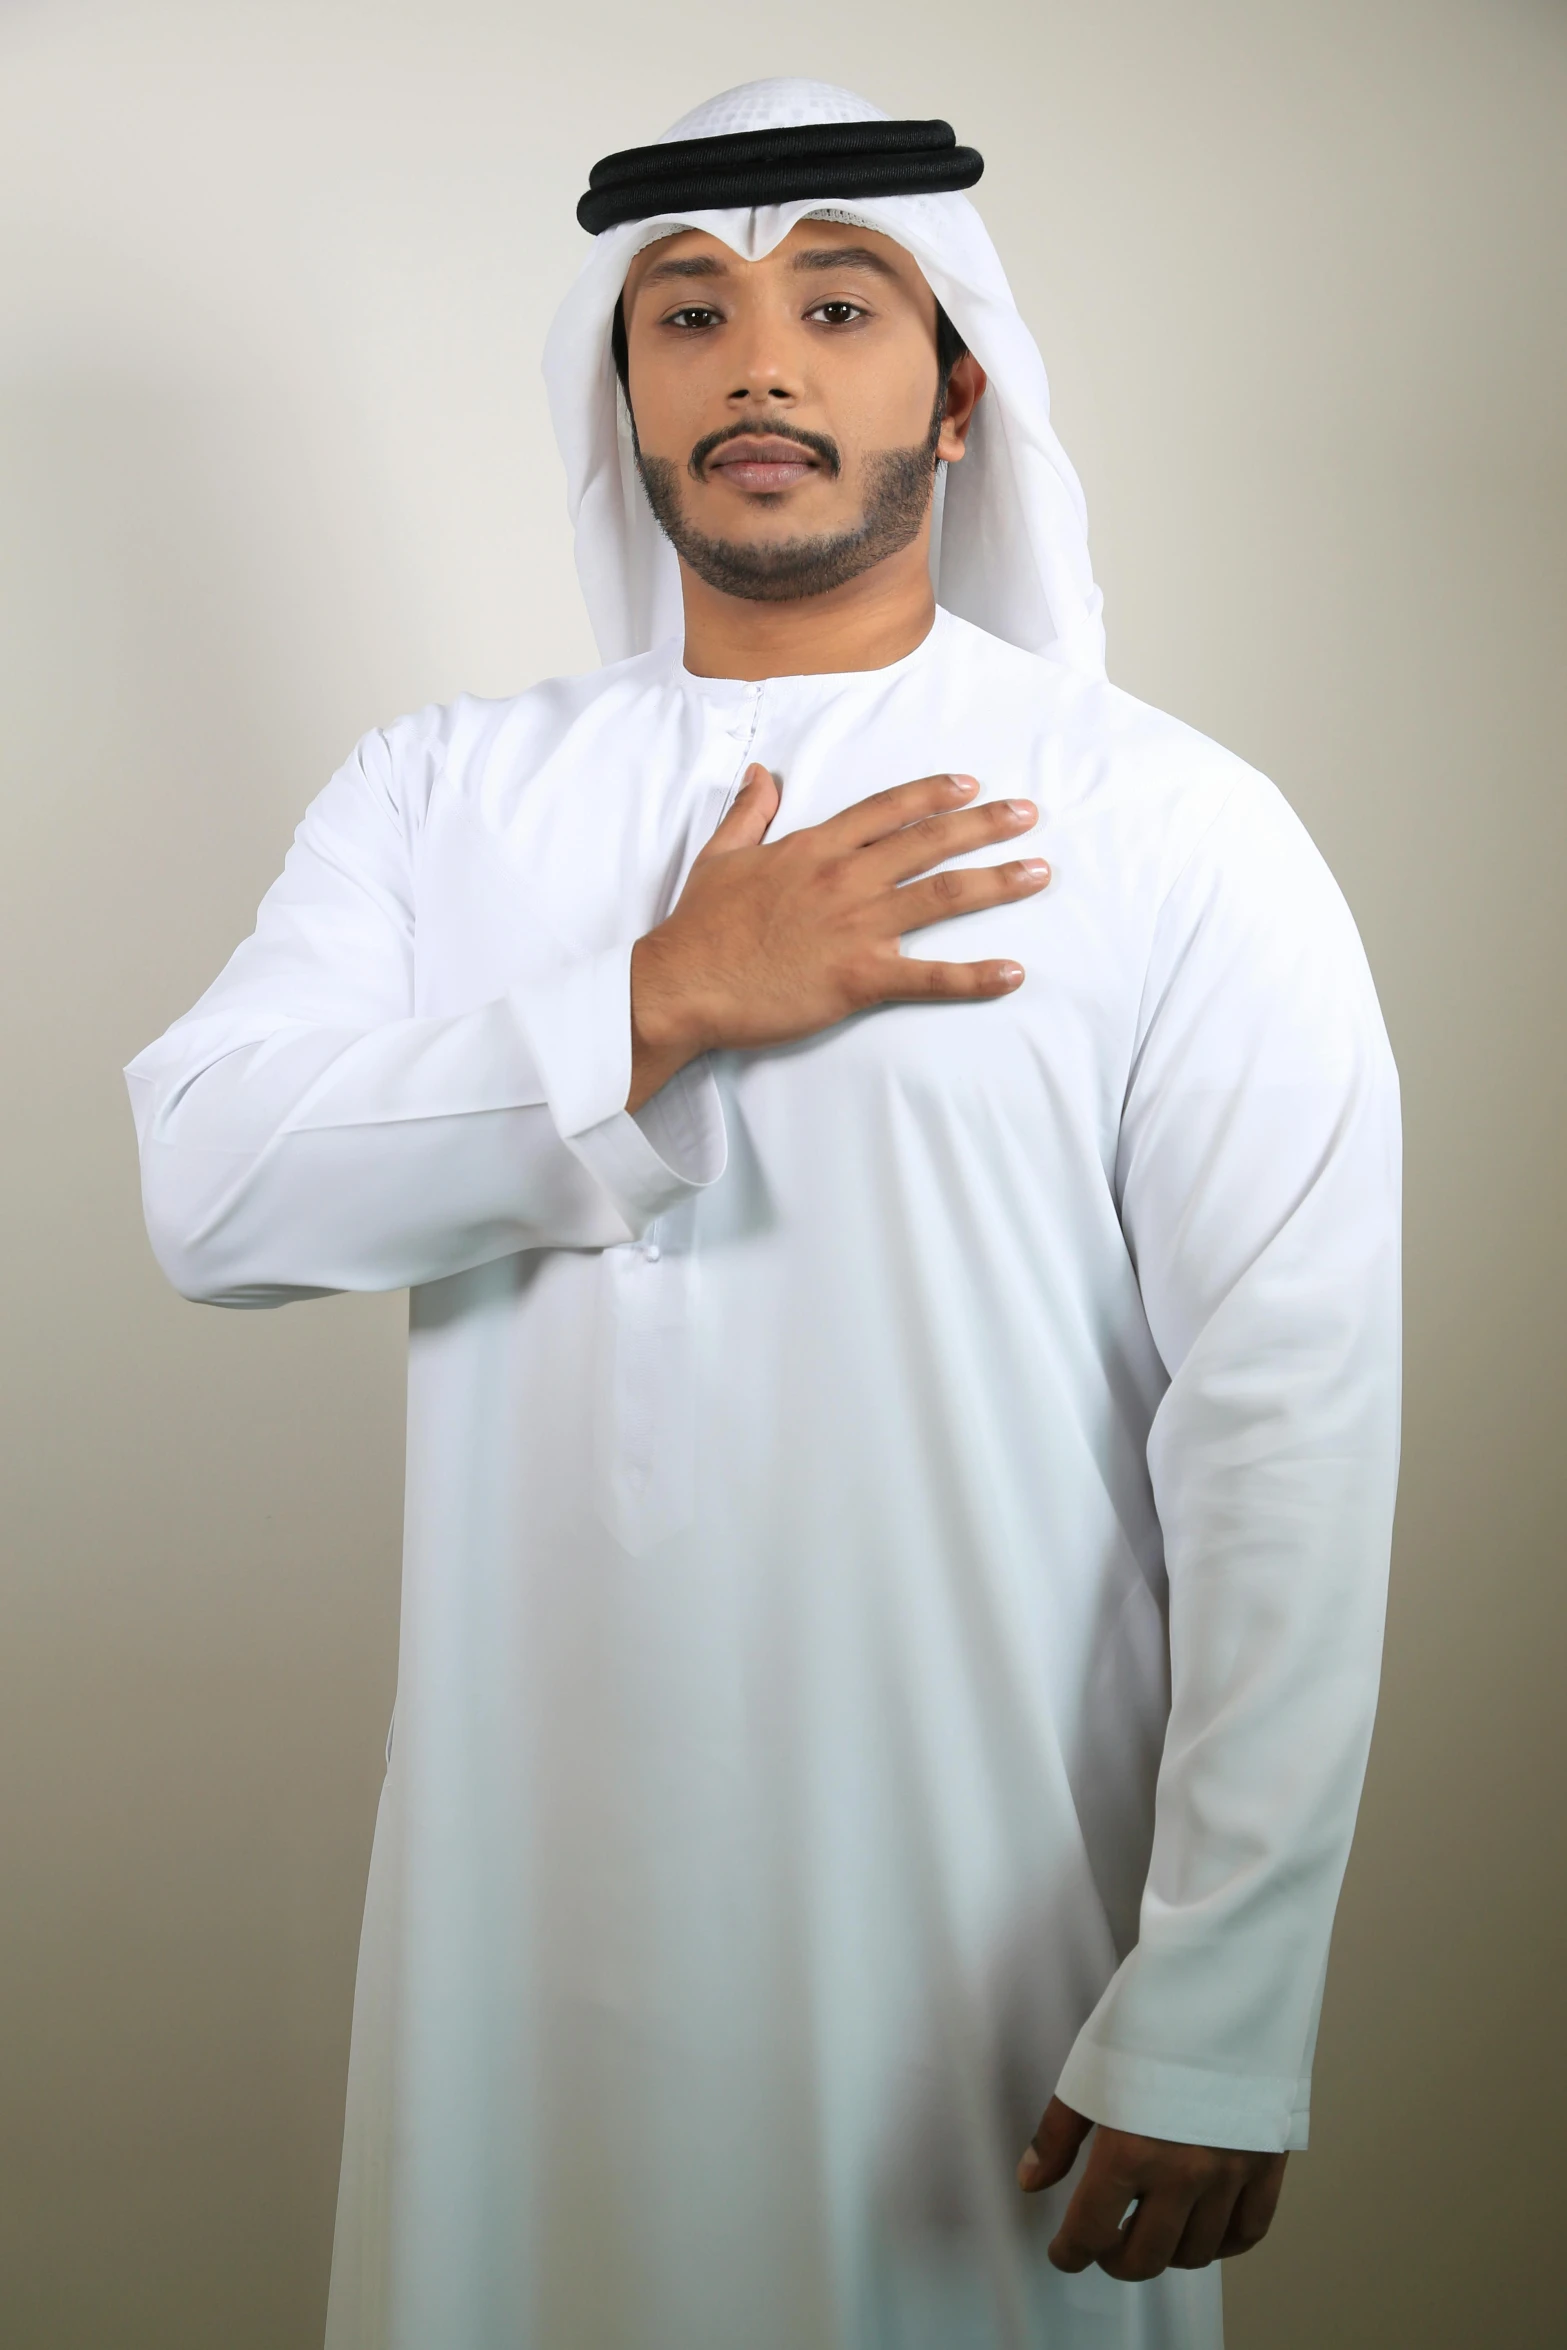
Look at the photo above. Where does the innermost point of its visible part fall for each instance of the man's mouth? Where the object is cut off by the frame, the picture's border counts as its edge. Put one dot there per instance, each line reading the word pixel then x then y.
pixel 761 463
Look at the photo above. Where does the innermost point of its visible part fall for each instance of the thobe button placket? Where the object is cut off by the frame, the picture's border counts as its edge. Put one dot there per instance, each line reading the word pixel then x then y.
pixel 644 1418
pixel 740 725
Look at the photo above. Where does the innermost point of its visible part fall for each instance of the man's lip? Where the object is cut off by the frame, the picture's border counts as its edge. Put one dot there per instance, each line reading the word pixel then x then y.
pixel 763 459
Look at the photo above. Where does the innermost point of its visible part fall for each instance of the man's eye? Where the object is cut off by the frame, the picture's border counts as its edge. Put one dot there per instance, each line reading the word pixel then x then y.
pixel 837 313
pixel 693 315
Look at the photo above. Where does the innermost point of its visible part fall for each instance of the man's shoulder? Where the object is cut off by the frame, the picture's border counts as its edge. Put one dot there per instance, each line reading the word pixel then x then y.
pixel 1205 844
pixel 1116 757
pixel 451 733
pixel 470 737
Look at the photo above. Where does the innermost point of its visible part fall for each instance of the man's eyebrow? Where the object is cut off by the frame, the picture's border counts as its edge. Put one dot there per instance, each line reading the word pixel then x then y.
pixel 843 257
pixel 685 265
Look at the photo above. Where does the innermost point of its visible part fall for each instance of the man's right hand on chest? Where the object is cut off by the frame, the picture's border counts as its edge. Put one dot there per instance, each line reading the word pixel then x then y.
pixel 771 941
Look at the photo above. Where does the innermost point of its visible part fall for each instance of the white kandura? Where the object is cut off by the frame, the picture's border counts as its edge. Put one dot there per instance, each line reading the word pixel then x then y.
pixel 896 1530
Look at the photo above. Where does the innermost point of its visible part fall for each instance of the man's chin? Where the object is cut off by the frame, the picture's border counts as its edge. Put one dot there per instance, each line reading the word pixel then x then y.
pixel 784 569
pixel 780 547
pixel 763 517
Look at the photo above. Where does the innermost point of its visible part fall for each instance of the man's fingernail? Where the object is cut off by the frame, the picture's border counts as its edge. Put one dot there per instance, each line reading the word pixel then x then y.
pixel 1023 808
pixel 964 783
pixel 1030 2170
pixel 1009 974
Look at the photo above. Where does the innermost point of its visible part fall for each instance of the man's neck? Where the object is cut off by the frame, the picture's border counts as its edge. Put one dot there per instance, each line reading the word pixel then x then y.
pixel 867 623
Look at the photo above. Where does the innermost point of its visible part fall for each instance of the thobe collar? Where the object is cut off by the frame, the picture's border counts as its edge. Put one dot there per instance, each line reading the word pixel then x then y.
pixel 731 692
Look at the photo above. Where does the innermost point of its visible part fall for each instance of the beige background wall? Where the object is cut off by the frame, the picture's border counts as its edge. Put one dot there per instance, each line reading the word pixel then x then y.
pixel 275 466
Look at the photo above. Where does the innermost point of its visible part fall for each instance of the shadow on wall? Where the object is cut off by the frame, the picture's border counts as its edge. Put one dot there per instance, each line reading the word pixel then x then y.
pixel 202 1510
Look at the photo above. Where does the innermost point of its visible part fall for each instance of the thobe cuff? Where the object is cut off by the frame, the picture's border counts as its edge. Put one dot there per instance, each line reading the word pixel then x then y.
pixel 1159 2099
pixel 579 1024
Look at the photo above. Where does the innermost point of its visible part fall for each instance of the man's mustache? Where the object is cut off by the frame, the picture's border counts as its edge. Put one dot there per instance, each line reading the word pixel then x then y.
pixel 765 429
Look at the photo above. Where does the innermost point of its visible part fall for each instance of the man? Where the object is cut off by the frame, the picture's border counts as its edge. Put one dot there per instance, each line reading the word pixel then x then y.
pixel 895 1155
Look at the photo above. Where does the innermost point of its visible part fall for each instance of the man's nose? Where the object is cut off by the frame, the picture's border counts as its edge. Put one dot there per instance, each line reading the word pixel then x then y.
pixel 763 370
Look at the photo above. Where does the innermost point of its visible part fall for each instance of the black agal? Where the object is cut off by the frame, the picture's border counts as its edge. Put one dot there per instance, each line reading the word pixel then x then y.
pixel 771 167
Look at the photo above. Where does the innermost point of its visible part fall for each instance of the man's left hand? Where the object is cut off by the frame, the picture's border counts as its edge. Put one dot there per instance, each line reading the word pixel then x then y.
pixel 1192 2204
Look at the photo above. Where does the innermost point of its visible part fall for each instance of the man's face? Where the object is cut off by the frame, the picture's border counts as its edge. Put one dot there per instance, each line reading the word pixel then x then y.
pixel 786 411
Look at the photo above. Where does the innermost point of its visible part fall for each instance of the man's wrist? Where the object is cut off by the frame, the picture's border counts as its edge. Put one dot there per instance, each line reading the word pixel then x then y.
pixel 663 1036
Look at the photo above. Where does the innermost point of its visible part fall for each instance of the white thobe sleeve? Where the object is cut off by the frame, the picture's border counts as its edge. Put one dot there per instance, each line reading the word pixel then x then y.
pixel 302 1131
pixel 1258 1179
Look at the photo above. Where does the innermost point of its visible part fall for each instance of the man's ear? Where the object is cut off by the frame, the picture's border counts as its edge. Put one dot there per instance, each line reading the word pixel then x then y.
pixel 965 390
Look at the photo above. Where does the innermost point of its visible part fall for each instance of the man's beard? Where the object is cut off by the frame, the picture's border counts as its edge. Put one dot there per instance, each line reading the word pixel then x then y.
pixel 898 485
